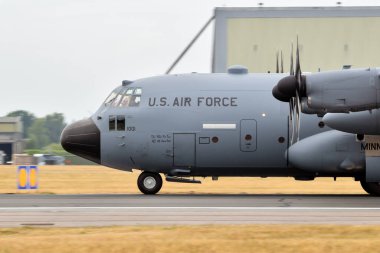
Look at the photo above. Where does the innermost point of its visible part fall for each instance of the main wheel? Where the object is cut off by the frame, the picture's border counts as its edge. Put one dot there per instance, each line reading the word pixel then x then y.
pixel 371 188
pixel 149 182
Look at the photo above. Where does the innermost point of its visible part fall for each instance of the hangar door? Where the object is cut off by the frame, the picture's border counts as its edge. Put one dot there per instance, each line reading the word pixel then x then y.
pixel 184 150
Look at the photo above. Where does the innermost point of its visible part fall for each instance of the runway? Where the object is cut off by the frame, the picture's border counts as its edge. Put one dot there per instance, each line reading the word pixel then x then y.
pixel 108 210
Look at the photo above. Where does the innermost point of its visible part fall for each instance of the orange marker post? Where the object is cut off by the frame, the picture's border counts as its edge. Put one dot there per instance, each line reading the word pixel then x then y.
pixel 27 177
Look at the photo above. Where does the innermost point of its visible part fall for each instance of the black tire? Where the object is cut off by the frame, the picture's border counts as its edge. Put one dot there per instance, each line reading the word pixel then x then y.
pixel 149 182
pixel 371 188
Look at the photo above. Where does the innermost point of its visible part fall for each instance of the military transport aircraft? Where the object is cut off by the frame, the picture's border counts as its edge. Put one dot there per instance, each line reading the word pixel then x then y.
pixel 218 125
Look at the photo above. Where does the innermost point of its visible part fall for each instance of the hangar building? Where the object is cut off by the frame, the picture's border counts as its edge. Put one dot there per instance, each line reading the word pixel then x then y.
pixel 11 139
pixel 329 37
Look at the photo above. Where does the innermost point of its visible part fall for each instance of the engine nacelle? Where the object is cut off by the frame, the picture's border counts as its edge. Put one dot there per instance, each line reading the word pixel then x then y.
pixel 344 90
pixel 365 122
pixel 305 108
pixel 328 152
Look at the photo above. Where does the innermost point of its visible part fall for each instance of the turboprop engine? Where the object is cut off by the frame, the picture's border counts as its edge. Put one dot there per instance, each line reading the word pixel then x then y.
pixel 344 90
pixel 332 91
pixel 328 152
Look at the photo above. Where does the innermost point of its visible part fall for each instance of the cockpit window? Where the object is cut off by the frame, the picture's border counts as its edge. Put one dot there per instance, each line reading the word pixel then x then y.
pixel 135 97
pixel 111 98
pixel 138 91
pixel 131 98
pixel 130 91
pixel 116 101
pixel 127 97
pixel 124 101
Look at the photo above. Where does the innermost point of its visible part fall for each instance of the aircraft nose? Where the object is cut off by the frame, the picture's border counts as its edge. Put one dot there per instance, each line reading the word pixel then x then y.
pixel 82 138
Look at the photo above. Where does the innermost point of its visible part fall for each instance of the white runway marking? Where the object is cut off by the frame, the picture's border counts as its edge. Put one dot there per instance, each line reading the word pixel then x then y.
pixel 125 210
pixel 190 207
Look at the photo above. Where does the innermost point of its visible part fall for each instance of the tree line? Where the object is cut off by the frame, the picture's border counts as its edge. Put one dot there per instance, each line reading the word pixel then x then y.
pixel 40 132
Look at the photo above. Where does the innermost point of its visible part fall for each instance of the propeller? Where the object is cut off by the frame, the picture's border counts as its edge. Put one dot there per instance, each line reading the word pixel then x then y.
pixel 279 68
pixel 292 89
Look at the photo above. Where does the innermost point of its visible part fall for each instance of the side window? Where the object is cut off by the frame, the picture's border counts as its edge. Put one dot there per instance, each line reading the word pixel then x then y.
pixel 120 123
pixel 112 123
pixel 117 123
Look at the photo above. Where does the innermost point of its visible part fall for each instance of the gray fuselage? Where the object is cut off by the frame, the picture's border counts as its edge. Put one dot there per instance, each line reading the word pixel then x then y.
pixel 201 125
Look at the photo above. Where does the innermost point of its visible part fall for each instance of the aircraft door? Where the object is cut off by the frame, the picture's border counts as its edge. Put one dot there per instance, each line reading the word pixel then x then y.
pixel 184 150
pixel 248 135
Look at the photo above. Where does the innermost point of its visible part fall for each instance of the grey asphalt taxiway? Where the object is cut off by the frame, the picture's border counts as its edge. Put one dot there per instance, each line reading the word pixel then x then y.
pixel 107 210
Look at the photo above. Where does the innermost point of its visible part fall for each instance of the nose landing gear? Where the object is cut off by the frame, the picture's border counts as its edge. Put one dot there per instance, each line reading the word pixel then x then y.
pixel 149 182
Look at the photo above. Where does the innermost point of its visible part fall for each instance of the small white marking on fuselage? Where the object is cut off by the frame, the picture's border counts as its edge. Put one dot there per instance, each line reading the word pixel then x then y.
pixel 219 126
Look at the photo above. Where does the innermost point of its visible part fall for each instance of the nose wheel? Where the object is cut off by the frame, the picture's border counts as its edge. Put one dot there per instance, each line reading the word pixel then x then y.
pixel 149 182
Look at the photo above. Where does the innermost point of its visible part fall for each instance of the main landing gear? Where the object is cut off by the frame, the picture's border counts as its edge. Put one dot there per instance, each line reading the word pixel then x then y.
pixel 149 182
pixel 371 188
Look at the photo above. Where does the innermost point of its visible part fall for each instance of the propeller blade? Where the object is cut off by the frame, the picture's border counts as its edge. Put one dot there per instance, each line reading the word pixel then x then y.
pixel 291 72
pixel 300 90
pixel 277 68
pixel 298 65
pixel 298 115
pixel 282 63
pixel 292 104
pixel 291 109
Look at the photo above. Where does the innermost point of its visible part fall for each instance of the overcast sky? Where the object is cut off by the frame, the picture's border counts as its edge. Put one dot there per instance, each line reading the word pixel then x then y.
pixel 67 55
